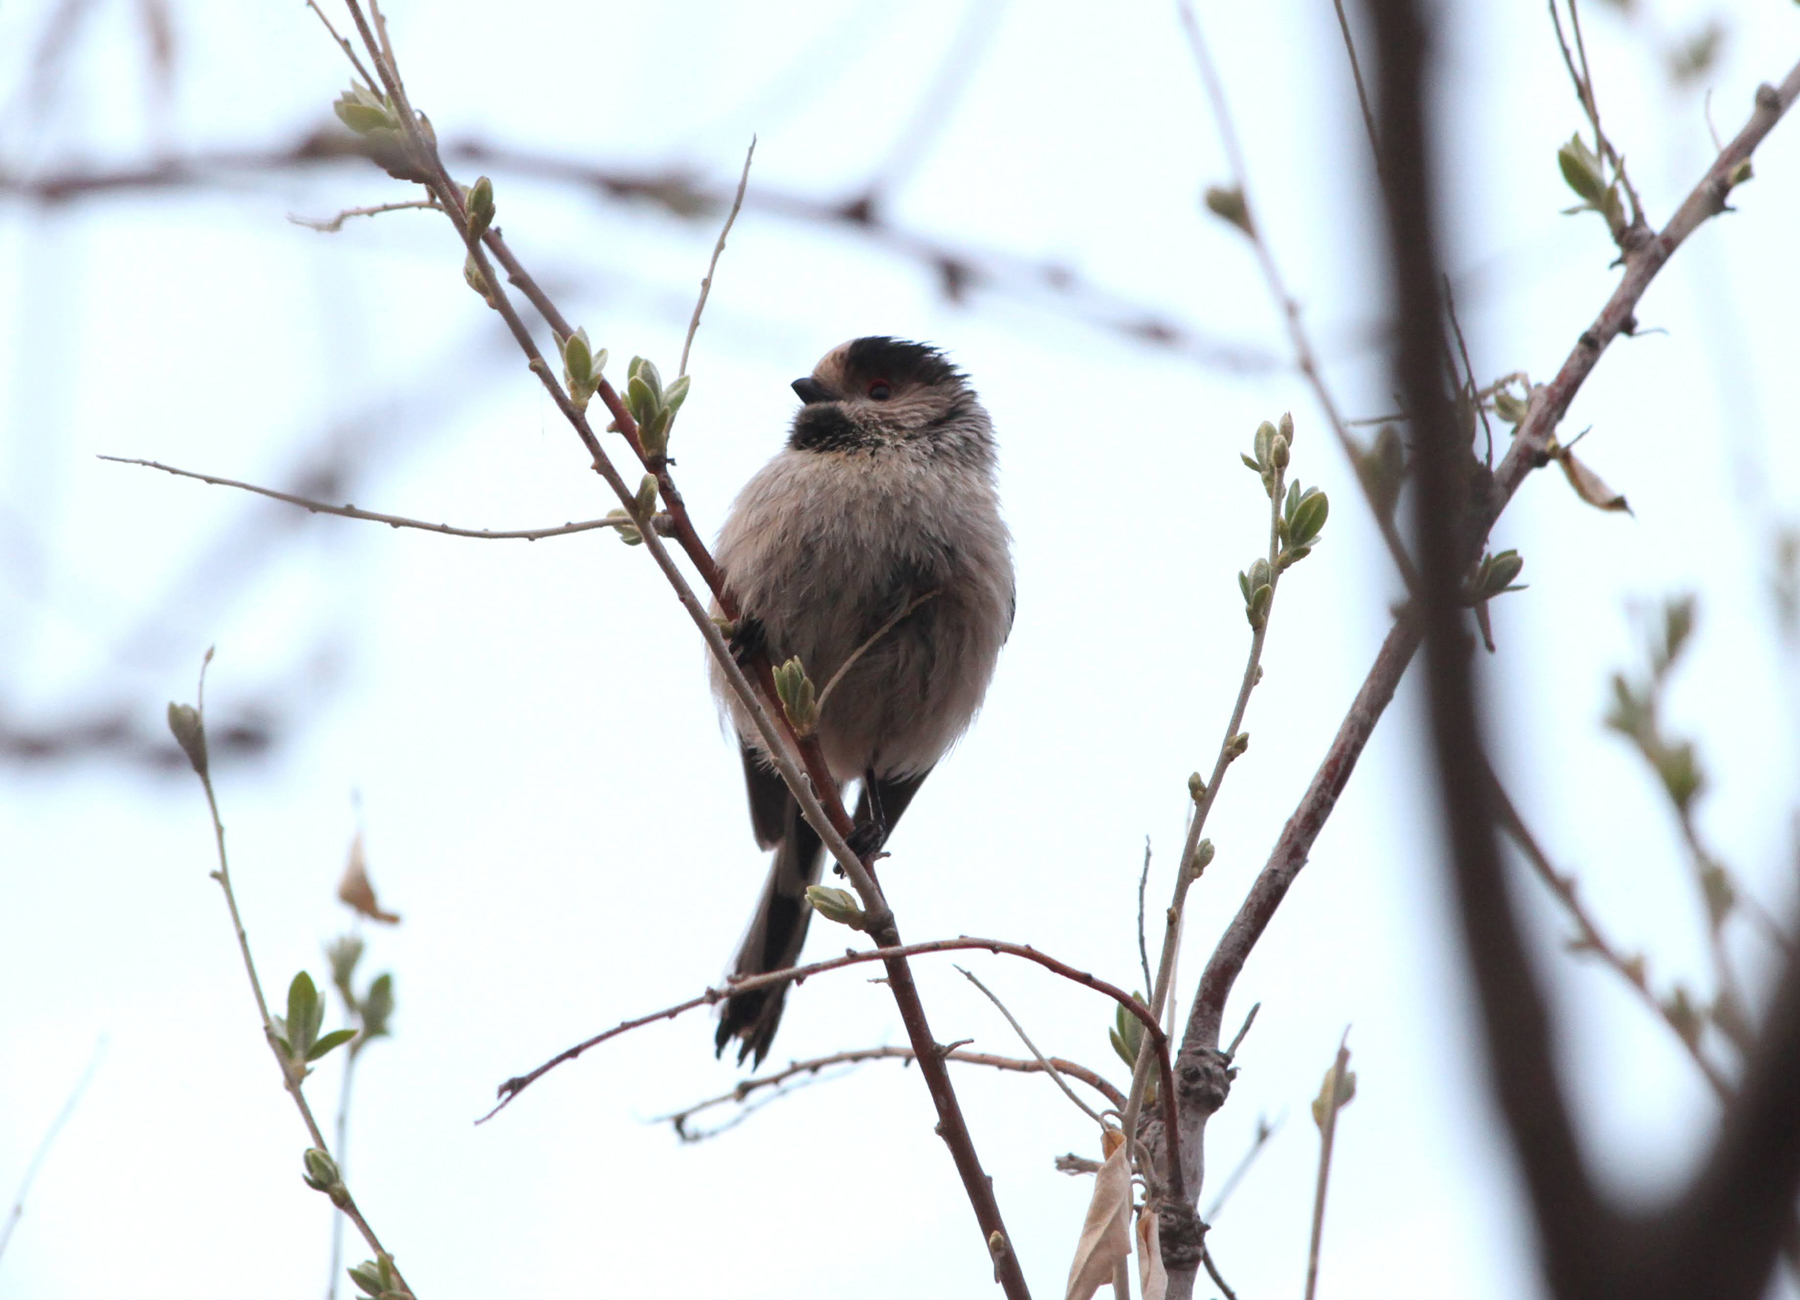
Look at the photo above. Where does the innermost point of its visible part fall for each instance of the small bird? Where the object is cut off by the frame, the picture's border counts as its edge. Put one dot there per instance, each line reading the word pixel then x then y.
pixel 872 548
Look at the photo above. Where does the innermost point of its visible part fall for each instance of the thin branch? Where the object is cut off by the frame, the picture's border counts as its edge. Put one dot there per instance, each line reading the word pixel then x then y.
pixel 1304 357
pixel 291 1076
pixel 1462 348
pixel 510 1090
pixel 50 1135
pixel 1362 94
pixel 1327 1132
pixel 1186 871
pixel 393 521
pixel 1590 104
pixel 876 636
pixel 778 1080
pixel 817 794
pixel 344 45
pixel 1212 1271
pixel 1591 939
pixel 932 108
pixel 959 271
pixel 737 203
pixel 1719 1236
pixel 332 225
pixel 1030 1046
pixel 1237 1039
pixel 1529 450
pixel 1264 1131
pixel 1143 948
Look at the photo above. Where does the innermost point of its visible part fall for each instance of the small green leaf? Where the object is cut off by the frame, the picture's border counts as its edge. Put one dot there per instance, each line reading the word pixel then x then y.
pixel 305 1014
pixel 1265 441
pixel 1309 518
pixel 1258 609
pixel 1582 170
pixel 336 1038
pixel 378 1006
pixel 1252 465
pixel 480 205
pixel 1512 410
pixel 837 905
pixel 677 393
pixel 1118 1045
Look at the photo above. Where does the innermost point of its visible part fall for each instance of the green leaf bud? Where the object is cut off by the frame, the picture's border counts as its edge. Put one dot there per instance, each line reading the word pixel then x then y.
pixel 645 503
pixel 795 690
pixel 1309 518
pixel 837 905
pixel 1227 203
pixel 1582 170
pixel 321 1170
pixel 480 205
pixel 190 734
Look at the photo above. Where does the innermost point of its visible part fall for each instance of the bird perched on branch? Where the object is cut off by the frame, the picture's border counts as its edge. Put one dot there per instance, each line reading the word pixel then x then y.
pixel 871 548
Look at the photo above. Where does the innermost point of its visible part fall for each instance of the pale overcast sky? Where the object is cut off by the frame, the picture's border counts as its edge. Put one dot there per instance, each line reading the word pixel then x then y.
pixel 547 796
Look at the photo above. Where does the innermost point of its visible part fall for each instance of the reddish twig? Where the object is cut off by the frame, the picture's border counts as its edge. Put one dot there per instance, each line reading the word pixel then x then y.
pixel 816 793
pixel 510 1090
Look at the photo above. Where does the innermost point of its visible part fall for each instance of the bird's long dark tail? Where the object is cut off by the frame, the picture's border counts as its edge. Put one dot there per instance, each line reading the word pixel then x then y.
pixel 776 936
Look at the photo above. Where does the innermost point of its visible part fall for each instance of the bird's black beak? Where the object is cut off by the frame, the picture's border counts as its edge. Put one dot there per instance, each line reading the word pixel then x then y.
pixel 809 390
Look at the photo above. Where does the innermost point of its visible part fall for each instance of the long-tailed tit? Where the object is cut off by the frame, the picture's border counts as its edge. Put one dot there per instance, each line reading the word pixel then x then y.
pixel 872 548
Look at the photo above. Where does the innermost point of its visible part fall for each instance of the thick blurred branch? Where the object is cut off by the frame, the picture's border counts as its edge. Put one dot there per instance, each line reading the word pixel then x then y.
pixel 957 269
pixel 1719 1237
pixel 1202 1073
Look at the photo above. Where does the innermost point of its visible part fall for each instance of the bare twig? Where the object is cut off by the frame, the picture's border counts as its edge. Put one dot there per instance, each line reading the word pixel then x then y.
pixel 779 1080
pixel 50 1135
pixel 1362 94
pixel 1237 1039
pixel 1212 1271
pixel 393 521
pixel 1031 1047
pixel 331 225
pixel 1264 1131
pixel 1143 948
pixel 1591 939
pixel 875 637
pixel 1334 1099
pixel 1474 385
pixel 737 204
pixel 344 45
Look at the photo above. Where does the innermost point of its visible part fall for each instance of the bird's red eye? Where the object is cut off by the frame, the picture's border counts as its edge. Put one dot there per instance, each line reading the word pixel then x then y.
pixel 880 391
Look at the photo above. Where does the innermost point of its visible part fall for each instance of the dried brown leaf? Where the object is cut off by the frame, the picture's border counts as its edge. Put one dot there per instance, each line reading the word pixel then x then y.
pixel 1589 486
pixel 355 891
pixel 1106 1233
pixel 1153 1280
